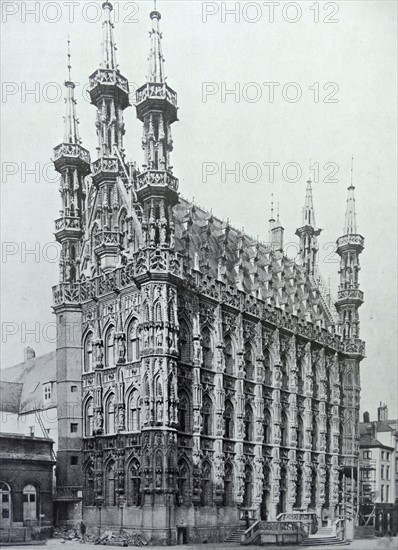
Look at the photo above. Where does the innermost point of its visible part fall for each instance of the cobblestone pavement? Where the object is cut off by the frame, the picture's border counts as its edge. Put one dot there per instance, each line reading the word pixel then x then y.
pixel 375 544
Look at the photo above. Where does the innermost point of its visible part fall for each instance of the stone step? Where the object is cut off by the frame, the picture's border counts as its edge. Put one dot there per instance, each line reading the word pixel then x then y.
pixel 324 541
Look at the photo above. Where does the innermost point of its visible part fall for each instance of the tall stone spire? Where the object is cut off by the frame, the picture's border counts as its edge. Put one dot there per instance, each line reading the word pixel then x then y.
pixel 308 234
pixel 350 226
pixel 156 105
pixel 71 120
pixel 72 162
pixel 108 44
pixel 156 69
pixel 277 233
pixel 349 247
pixel 308 210
pixel 109 92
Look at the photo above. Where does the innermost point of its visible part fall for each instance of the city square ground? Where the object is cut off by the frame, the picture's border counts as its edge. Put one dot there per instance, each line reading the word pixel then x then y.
pixel 360 544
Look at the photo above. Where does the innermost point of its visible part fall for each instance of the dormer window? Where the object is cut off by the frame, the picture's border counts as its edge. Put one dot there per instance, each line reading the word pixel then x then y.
pixel 47 392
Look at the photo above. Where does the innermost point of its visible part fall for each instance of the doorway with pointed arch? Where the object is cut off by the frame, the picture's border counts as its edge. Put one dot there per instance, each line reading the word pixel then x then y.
pixel 5 499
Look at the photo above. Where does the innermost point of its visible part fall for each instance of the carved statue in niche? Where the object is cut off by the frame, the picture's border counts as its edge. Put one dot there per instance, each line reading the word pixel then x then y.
pixel 121 418
pixel 98 421
pixel 159 337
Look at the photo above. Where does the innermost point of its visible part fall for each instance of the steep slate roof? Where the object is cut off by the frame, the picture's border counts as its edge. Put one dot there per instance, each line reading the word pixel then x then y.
pixel 30 376
pixel 218 249
pixel 10 396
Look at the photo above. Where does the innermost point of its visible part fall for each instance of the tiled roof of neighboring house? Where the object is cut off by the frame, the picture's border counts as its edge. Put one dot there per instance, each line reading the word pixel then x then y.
pixel 31 375
pixel 387 426
pixel 10 396
pixel 223 252
pixel 367 440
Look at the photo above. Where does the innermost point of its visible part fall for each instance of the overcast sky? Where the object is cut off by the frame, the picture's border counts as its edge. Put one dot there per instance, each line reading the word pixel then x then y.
pixel 344 68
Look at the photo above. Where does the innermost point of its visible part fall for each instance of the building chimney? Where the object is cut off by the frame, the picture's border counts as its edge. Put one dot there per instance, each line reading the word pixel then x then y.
pixel 366 417
pixel 29 353
pixel 382 412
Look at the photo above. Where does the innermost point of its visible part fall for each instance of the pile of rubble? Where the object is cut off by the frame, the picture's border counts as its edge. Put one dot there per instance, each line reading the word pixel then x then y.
pixel 108 538
pixel 121 539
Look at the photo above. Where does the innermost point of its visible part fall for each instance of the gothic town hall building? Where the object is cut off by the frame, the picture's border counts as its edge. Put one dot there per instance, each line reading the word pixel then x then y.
pixel 200 374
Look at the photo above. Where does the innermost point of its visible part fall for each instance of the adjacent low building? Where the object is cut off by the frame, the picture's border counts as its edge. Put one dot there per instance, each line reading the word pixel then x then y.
pixel 26 481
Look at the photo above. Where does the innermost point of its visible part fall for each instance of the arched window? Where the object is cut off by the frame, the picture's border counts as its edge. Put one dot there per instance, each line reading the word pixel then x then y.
pixel 133 411
pixel 229 419
pixel 314 435
pixel 285 373
pixel 299 487
pixel 5 499
pixel 229 354
pixel 88 417
pixel 248 423
pixel 247 497
pixel 300 377
pixel 207 485
pixel 158 312
pixel 267 368
pixel 207 348
pixel 123 228
pixel 267 426
pixel 110 414
pixel 110 347
pixel 249 361
pixel 184 412
pixel 207 408
pixel 88 353
pixel 284 430
pixel 29 499
pixel 229 485
pixel 110 485
pixel 89 485
pixel 134 484
pixel 133 352
pixel 185 343
pixel 300 432
pixel 183 482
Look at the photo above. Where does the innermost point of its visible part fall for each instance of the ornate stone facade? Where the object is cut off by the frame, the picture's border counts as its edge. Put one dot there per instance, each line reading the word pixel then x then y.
pixel 215 373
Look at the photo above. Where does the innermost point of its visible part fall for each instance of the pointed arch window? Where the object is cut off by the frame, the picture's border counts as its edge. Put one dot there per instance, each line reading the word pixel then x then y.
pixel 185 343
pixel 229 420
pixel 133 352
pixel 229 354
pixel 134 484
pixel 183 482
pixel 248 423
pixel 110 414
pixel 123 230
pixel 248 494
pixel 284 430
pixel 267 367
pixel 110 485
pixel 300 432
pixel 267 426
pixel 89 417
pixel 249 361
pixel 207 485
pixel 300 377
pixel 207 349
pixel 110 347
pixel 89 485
pixel 207 415
pixel 285 373
pixel 184 417
pixel 133 411
pixel 88 353
pixel 229 485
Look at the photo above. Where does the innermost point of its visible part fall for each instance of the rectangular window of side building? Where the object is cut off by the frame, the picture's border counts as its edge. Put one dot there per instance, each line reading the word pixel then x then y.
pixel 73 428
